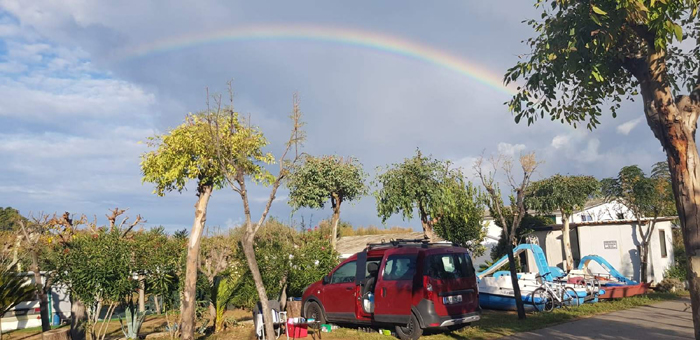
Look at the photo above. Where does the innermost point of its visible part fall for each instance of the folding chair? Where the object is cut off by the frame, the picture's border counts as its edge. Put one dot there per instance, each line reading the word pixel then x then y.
pixel 279 319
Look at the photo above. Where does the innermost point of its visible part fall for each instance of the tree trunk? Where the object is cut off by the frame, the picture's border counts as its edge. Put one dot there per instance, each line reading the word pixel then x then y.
pixel 336 218
pixel 249 252
pixel 156 304
pixel 212 314
pixel 674 122
pixel 142 293
pixel 643 262
pixel 41 292
pixel 189 301
pixel 78 317
pixel 514 280
pixel 566 236
pixel 428 231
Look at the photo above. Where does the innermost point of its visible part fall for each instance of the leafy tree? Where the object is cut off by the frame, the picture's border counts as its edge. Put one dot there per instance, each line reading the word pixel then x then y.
pixel 239 146
pixel 566 194
pixel 528 165
pixel 185 153
pixel 97 269
pixel 419 183
pixel 319 179
pixel 648 198
pixel 13 290
pixel 10 218
pixel 464 226
pixel 588 54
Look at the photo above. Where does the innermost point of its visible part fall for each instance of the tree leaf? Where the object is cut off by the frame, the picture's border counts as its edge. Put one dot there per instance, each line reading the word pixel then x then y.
pixel 598 10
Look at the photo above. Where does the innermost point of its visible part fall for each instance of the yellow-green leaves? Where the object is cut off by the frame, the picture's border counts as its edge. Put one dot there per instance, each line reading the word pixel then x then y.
pixel 597 10
pixel 195 150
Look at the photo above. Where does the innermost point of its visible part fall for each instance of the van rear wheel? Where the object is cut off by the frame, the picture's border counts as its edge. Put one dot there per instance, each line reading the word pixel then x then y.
pixel 411 331
pixel 314 311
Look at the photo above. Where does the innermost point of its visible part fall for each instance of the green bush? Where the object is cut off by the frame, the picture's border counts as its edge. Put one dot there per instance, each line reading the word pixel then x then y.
pixel 679 269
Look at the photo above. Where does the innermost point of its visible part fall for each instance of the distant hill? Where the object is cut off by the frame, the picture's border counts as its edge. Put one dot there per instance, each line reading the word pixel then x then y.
pixel 8 219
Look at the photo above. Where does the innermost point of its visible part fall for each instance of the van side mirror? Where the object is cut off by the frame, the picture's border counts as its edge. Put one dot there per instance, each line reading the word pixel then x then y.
pixel 326 279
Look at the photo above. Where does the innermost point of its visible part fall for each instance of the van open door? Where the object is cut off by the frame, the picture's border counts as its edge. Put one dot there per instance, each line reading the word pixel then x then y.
pixel 360 282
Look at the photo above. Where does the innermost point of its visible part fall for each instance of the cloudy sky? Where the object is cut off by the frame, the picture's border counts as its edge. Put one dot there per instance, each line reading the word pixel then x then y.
pixel 82 82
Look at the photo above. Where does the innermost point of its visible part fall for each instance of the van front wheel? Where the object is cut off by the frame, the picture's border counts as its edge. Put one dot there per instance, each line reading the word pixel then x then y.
pixel 411 331
pixel 313 310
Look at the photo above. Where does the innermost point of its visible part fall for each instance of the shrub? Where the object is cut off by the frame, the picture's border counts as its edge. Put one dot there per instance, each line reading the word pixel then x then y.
pixel 670 284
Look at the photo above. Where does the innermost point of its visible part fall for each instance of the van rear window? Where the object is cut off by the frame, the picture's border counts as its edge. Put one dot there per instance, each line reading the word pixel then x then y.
pixel 449 266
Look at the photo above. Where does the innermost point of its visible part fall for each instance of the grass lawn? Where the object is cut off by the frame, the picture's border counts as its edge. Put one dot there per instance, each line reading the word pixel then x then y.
pixel 496 324
pixel 493 324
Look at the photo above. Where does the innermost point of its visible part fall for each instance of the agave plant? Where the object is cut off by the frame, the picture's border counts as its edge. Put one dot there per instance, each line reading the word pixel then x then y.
pixel 134 319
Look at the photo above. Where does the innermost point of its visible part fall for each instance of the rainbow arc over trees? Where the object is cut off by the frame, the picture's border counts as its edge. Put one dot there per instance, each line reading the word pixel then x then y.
pixel 346 36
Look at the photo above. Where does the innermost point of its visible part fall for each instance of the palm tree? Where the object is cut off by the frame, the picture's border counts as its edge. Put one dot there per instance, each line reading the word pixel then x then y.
pixel 13 290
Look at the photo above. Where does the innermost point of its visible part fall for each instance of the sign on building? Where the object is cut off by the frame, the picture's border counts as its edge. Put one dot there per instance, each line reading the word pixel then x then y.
pixel 610 244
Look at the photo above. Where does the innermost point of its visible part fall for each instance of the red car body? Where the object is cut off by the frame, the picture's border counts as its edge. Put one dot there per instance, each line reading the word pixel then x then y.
pixel 418 285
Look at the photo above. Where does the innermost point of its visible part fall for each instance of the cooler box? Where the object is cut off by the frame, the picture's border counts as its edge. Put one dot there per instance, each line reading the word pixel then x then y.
pixel 295 328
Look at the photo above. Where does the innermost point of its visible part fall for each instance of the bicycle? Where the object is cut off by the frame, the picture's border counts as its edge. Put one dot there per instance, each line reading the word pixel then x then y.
pixel 545 298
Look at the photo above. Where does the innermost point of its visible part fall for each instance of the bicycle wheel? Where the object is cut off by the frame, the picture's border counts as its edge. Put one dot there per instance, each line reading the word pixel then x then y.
pixel 569 297
pixel 542 300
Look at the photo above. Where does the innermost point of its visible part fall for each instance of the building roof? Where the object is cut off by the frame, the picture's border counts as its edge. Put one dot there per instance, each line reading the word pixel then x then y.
pixel 348 245
pixel 603 223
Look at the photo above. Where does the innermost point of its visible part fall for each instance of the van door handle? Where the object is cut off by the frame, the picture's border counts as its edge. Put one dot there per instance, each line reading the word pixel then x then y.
pixel 348 288
pixel 383 291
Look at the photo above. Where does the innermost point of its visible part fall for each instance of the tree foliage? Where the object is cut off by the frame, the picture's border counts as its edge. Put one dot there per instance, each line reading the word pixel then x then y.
pixel 563 193
pixel 426 185
pixel 464 226
pixel 14 289
pixel 644 196
pixel 9 219
pixel 318 180
pixel 584 56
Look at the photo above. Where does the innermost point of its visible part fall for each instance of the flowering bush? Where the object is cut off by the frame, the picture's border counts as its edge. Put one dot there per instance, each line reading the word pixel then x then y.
pixel 313 258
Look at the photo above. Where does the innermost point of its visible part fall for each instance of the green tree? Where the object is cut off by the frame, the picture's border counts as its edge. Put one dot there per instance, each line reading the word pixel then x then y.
pixel 320 179
pixel 419 183
pixel 185 153
pixel 14 289
pixel 566 194
pixel 98 270
pixel 9 219
pixel 647 198
pixel 464 226
pixel 591 54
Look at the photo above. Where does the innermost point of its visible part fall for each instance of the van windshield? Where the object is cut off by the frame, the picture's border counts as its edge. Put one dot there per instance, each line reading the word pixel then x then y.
pixel 449 266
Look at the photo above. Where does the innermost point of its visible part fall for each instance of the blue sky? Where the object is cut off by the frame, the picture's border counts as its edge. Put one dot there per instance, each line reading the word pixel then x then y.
pixel 72 115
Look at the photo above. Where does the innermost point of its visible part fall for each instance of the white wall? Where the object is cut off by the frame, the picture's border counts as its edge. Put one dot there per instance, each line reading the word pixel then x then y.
pixel 626 257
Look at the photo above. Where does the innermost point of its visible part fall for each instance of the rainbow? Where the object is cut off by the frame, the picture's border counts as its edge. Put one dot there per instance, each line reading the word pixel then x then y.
pixel 364 39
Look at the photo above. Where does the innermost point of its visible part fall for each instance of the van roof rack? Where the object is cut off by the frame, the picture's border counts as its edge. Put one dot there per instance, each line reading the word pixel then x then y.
pixel 402 242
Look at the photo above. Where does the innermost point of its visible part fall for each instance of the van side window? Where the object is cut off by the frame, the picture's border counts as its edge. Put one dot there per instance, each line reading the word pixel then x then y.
pixel 449 266
pixel 344 274
pixel 399 267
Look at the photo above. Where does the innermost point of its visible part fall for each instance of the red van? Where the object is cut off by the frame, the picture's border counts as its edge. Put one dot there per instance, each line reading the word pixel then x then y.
pixel 411 285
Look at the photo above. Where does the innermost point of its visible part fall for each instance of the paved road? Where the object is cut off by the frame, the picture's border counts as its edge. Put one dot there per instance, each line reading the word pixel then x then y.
pixel 666 320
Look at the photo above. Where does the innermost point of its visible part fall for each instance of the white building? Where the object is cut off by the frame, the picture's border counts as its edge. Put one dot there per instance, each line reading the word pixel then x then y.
pixel 27 315
pixel 616 241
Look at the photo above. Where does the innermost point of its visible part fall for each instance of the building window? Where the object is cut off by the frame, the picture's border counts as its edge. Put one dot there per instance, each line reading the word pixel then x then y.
pixel 662 243
pixel 620 216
